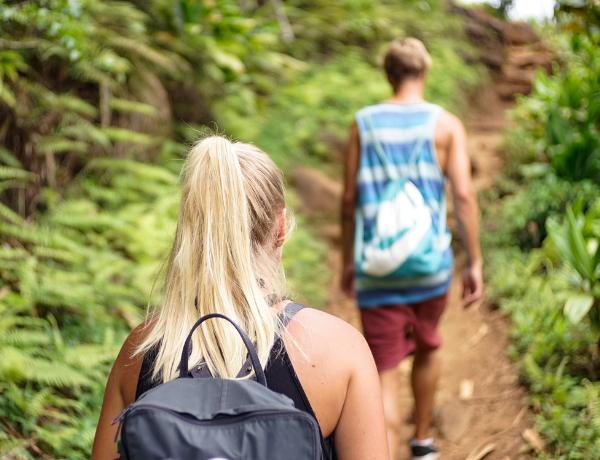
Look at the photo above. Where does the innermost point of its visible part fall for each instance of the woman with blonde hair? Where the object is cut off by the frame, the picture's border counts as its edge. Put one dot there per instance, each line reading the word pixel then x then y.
pixel 226 259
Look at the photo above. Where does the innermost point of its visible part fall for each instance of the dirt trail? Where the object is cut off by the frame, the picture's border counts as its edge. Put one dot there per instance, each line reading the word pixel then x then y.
pixel 475 340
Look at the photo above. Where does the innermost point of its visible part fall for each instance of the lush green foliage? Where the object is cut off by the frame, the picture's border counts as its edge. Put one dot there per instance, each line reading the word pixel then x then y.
pixel 563 111
pixel 533 279
pixel 555 355
pixel 577 245
pixel 95 99
pixel 543 252
pixel 74 282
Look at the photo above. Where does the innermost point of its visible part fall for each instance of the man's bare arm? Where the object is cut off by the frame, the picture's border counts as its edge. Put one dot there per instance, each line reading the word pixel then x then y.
pixel 351 161
pixel 467 210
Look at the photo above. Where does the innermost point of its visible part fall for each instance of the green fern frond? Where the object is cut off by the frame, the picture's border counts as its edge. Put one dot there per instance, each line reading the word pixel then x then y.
pixel 594 404
pixel 560 370
pixel 83 223
pixel 8 253
pixel 84 70
pixel 58 340
pixel 533 370
pixel 39 92
pixel 55 51
pixel 98 193
pixel 110 12
pixel 9 159
pixel 71 240
pixel 108 265
pixel 141 49
pixel 16 173
pixel 7 96
pixel 31 234
pixel 91 356
pixel 149 189
pixel 53 373
pixel 83 130
pixel 11 216
pixel 16 14
pixel 109 337
pixel 15 183
pixel 127 106
pixel 126 135
pixel 75 104
pixel 55 436
pixel 28 278
pixel 119 291
pixel 87 436
pixel 24 338
pixel 64 403
pixel 36 402
pixel 133 314
pixel 55 145
pixel 8 265
pixel 8 323
pixel 58 254
pixel 78 207
pixel 54 415
pixel 142 170
pixel 14 448
pixel 74 297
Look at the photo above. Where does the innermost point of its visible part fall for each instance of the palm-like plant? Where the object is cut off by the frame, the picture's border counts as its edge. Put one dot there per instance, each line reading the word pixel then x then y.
pixel 576 242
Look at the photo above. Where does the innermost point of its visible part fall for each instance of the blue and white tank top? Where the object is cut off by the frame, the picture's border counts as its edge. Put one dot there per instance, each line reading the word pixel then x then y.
pixel 398 127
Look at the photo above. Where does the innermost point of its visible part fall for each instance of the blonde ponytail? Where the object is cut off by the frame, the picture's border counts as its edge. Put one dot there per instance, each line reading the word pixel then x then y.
pixel 221 261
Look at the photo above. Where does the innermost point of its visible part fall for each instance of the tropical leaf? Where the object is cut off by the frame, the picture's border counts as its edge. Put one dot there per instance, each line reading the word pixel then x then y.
pixel 581 257
pixel 578 306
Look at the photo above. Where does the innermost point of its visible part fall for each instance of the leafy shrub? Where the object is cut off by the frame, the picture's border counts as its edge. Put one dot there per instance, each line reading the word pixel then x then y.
pixel 521 221
pixel 563 111
pixel 578 248
pixel 555 355
pixel 73 284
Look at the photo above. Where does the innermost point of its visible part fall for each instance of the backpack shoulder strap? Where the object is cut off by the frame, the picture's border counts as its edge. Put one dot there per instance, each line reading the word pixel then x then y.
pixel 286 314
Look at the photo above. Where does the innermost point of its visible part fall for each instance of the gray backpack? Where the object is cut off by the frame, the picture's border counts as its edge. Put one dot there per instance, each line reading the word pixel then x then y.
pixel 216 419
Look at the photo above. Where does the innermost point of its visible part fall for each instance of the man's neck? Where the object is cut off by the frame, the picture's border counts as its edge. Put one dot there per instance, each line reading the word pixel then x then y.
pixel 409 92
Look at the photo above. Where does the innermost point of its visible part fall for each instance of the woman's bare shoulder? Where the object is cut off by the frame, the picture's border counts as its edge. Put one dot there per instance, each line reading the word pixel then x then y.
pixel 327 354
pixel 329 339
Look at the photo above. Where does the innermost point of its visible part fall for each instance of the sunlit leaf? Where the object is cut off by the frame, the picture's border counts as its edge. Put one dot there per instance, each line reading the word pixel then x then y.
pixel 578 306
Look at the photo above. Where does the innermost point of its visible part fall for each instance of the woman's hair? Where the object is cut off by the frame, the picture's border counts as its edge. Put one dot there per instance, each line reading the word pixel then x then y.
pixel 222 260
pixel 405 58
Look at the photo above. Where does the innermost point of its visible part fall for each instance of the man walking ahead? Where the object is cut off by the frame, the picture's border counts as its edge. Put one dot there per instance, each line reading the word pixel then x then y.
pixel 396 245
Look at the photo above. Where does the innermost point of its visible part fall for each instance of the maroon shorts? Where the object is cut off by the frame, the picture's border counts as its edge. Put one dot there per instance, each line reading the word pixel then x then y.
pixel 386 329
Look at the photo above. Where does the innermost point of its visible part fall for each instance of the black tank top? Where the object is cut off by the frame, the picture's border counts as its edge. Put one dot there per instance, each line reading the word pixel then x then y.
pixel 281 378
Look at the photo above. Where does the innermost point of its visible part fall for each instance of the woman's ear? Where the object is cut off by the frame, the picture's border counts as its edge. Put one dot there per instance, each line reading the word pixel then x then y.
pixel 281 227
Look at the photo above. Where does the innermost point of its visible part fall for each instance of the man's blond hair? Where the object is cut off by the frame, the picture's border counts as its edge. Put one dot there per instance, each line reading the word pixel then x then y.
pixel 405 58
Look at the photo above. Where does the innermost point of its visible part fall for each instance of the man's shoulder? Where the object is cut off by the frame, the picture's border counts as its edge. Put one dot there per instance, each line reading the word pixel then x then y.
pixel 449 123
